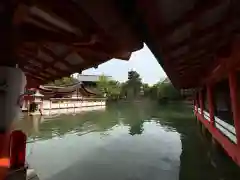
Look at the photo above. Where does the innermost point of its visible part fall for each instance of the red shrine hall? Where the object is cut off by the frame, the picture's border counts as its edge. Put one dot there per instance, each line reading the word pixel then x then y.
pixel 196 42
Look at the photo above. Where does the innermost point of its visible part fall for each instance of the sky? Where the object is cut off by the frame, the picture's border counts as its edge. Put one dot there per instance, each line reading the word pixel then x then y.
pixel 142 61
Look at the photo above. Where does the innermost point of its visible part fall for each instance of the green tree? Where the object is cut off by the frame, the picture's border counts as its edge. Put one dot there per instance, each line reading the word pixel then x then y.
pixel 109 88
pixel 146 89
pixel 167 90
pixel 164 91
pixel 65 81
pixel 124 90
pixel 154 91
pixel 103 85
pixel 134 84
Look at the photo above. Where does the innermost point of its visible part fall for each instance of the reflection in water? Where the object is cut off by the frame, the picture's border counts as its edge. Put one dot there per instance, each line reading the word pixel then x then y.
pixel 136 128
pixel 127 141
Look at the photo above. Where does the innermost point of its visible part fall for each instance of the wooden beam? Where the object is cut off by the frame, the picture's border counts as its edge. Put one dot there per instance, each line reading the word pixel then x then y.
pixel 76 68
pixel 33 33
pixel 7 35
pixel 74 14
pixel 199 9
pixel 233 86
pixel 33 76
pixel 32 72
pixel 211 48
pixel 39 70
pixel 92 54
pixel 29 55
pixel 218 29
pixel 51 54
pixel 59 73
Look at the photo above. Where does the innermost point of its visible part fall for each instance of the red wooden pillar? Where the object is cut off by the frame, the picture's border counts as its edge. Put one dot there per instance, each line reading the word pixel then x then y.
pixel 17 149
pixel 201 102
pixel 235 104
pixel 210 103
pixel 4 154
pixel 194 104
pixel 197 102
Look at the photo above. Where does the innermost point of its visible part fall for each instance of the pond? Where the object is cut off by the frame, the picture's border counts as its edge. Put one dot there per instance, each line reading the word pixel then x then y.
pixel 125 141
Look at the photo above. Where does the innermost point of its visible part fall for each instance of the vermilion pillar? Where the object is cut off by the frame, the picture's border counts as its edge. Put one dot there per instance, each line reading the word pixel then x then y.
pixel 17 149
pixel 201 102
pixel 210 104
pixel 235 104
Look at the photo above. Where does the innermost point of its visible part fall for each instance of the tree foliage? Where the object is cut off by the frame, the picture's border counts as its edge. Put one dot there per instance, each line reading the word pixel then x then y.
pixel 65 81
pixel 134 88
pixel 133 84
pixel 109 88
pixel 164 91
pixel 146 89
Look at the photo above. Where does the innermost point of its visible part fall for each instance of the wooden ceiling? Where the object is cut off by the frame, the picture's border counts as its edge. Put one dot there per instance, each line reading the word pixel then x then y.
pixel 189 37
pixel 54 38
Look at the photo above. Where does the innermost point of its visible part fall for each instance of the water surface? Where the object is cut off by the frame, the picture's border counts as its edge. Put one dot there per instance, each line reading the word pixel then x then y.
pixel 140 141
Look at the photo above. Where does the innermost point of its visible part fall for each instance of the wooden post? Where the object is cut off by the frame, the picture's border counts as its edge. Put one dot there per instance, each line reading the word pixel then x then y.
pixel 17 149
pixel 210 104
pixel 235 104
pixel 28 106
pixel 196 102
pixel 201 102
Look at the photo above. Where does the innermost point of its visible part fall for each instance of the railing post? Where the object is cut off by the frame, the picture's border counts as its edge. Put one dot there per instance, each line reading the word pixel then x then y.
pixel 210 104
pixel 201 102
pixel 235 104
pixel 17 149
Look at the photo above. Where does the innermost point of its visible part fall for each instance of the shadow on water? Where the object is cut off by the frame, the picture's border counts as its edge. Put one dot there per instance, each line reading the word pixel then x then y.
pixel 126 141
pixel 199 159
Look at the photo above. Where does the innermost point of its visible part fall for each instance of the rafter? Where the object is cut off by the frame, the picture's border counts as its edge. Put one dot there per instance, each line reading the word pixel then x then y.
pixel 92 53
pixel 76 15
pixel 33 77
pixel 76 68
pixel 217 28
pixel 211 48
pixel 29 31
pixel 37 75
pixel 55 57
pixel 29 55
pixel 199 9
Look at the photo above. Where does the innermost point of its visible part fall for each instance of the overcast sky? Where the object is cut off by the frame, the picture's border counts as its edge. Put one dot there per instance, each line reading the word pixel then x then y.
pixel 141 61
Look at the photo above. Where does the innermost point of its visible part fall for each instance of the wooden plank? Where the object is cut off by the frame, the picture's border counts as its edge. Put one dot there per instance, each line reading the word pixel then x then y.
pixel 7 37
pixel 217 29
pixel 199 9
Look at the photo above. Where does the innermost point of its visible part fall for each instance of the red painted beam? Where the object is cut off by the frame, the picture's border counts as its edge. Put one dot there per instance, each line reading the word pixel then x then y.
pixel 75 14
pixel 34 73
pixel 201 102
pixel 210 50
pixel 210 103
pixel 77 68
pixel 199 9
pixel 59 72
pixel 7 34
pixel 235 104
pixel 24 64
pixel 92 53
pixel 218 30
pixel 45 65
pixel 230 148
pixel 56 58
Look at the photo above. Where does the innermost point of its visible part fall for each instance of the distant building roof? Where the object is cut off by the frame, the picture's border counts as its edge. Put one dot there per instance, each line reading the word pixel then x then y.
pixel 89 78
